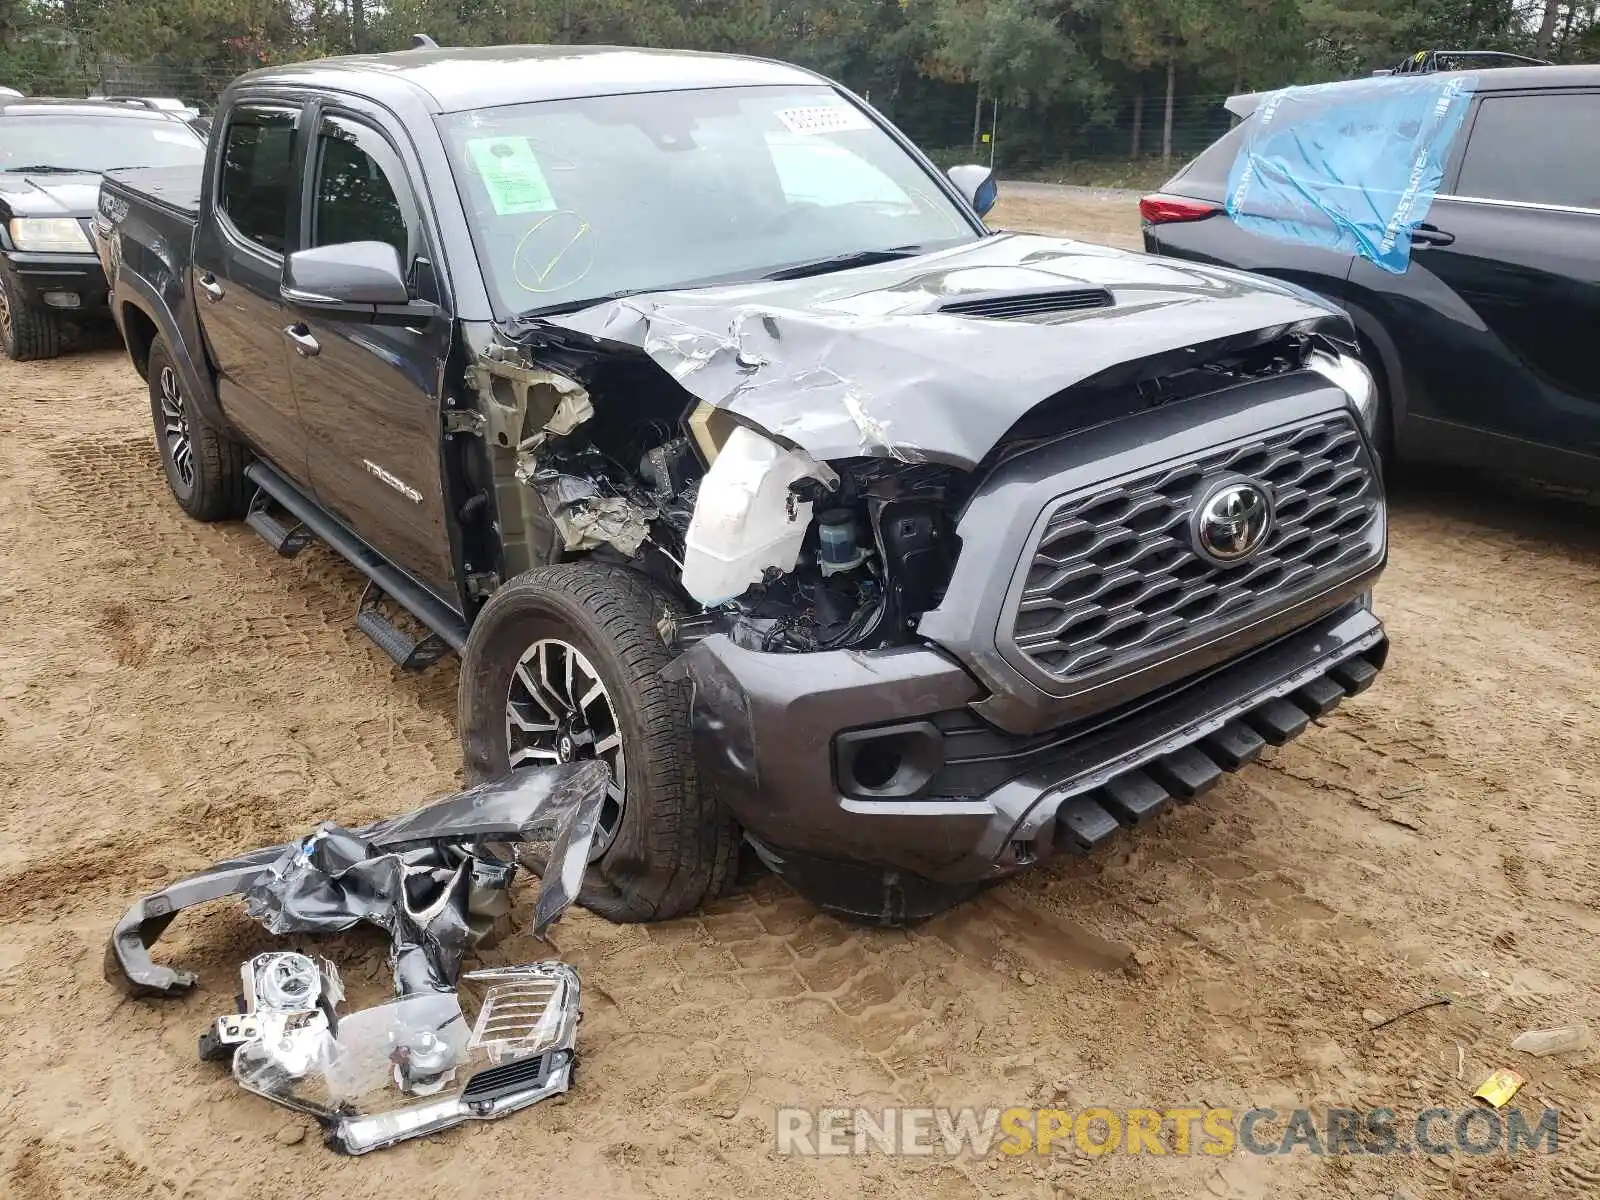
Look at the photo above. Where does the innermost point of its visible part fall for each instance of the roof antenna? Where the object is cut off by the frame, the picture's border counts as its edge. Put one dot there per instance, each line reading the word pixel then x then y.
pixel 421 41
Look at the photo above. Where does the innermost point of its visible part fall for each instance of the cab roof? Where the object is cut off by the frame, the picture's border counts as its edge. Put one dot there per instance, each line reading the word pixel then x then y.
pixel 452 79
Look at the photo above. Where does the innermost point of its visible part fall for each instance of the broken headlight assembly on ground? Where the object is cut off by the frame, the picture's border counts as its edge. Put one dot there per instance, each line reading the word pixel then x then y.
pixel 417 1066
pixel 435 879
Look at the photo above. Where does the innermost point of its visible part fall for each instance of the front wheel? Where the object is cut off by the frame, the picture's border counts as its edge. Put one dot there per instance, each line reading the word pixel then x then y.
pixel 564 663
pixel 27 332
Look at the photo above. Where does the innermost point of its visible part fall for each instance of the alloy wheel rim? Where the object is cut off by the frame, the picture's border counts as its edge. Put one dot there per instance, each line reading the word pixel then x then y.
pixel 175 428
pixel 5 311
pixel 558 710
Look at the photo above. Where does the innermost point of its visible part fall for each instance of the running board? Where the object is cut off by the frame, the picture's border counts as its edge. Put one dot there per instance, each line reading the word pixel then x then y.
pixel 287 540
pixel 410 654
pixel 444 622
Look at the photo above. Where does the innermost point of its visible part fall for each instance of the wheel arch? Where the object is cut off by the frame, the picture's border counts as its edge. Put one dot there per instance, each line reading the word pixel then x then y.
pixel 140 306
pixel 1372 333
pixel 138 335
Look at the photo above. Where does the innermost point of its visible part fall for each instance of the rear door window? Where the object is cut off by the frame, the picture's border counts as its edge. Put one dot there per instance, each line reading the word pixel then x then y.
pixel 257 174
pixel 1535 149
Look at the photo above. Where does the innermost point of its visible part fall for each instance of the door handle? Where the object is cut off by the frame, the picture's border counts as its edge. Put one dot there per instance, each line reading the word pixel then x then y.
pixel 305 345
pixel 1431 235
pixel 210 286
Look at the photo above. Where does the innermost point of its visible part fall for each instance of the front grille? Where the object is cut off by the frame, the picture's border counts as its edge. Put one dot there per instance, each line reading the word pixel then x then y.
pixel 1114 581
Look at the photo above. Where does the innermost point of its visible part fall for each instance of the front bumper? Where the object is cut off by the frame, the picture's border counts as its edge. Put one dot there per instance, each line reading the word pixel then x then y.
pixel 37 275
pixel 981 803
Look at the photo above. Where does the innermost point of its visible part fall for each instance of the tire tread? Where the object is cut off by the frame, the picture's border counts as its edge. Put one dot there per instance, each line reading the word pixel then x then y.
pixel 689 842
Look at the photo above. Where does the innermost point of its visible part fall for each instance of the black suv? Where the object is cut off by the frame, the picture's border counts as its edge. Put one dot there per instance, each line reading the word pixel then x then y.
pixel 52 153
pixel 1482 344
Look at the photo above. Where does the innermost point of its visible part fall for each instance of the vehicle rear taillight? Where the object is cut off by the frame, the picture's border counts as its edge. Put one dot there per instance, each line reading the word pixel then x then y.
pixel 1158 209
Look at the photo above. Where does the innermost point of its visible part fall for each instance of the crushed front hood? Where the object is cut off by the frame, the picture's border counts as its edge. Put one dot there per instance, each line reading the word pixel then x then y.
pixel 862 362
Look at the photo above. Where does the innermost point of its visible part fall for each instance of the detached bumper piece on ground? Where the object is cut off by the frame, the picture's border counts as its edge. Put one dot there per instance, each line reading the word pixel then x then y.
pixel 434 880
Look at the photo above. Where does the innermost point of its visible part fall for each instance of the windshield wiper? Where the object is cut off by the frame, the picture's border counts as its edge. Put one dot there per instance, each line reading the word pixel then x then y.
pixel 49 169
pixel 572 306
pixel 842 262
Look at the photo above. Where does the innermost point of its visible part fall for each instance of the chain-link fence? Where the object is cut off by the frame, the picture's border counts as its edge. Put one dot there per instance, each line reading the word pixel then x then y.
pixel 196 86
pixel 1121 142
pixel 1126 141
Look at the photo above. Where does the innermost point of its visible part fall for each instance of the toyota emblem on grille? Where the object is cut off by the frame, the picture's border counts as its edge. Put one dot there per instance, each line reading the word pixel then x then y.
pixel 1232 520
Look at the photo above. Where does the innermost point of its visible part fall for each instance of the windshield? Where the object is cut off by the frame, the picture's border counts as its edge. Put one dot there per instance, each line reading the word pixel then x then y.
pixel 85 143
pixel 575 200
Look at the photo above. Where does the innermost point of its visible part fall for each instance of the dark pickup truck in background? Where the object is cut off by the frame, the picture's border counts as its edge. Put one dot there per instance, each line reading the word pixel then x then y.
pixel 705 417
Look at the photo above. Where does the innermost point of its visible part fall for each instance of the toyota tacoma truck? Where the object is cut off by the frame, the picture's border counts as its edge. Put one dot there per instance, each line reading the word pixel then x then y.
pixel 707 421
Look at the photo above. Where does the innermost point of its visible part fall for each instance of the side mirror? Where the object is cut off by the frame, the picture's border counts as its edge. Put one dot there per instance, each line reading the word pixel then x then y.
pixel 350 279
pixel 977 184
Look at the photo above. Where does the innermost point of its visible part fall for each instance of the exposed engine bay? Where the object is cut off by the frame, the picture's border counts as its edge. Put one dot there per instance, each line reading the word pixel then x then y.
pixel 781 552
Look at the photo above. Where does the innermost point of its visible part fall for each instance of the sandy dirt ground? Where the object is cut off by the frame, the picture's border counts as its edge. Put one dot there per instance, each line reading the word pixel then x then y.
pixel 172 693
pixel 1092 214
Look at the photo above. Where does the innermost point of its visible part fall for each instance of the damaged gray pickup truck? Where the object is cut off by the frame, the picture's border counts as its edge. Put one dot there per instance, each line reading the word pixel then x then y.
pixel 685 398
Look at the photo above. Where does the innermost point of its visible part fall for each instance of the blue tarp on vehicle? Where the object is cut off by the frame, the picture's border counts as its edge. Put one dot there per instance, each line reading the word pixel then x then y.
pixel 1351 167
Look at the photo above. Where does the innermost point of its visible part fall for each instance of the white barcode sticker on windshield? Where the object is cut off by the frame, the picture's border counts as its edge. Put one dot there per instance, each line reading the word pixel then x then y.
pixel 824 118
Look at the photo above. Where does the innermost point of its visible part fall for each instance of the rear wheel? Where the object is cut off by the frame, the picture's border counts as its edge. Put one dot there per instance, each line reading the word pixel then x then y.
pixel 27 332
pixel 564 663
pixel 205 467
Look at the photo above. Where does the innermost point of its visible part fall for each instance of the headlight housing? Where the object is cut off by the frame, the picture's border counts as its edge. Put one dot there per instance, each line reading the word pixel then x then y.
pixel 60 234
pixel 1350 376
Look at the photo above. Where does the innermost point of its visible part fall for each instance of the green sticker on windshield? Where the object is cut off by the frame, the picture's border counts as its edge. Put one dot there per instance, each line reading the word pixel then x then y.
pixel 511 174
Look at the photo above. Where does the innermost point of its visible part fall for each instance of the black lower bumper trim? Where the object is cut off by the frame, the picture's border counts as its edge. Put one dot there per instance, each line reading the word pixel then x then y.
pixel 1355 676
pixel 1278 721
pixel 1186 773
pixel 1183 774
pixel 1234 746
pixel 765 726
pixel 1134 797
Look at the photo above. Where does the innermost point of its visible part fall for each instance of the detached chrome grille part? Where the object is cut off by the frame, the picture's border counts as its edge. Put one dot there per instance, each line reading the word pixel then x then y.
pixel 1115 584
pixel 523 1013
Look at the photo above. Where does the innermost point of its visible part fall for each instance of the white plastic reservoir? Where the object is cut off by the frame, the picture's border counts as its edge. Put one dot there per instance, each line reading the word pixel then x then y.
pixel 745 520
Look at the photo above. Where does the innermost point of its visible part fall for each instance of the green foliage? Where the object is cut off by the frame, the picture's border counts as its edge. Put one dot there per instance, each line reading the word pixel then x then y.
pixel 1068 75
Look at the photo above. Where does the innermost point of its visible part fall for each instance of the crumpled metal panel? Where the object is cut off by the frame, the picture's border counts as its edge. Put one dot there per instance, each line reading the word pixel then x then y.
pixel 1350 166
pixel 864 363
pixel 426 876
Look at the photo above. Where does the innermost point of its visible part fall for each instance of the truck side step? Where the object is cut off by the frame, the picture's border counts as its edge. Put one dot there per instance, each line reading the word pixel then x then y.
pixel 287 539
pixel 411 654
pixel 444 621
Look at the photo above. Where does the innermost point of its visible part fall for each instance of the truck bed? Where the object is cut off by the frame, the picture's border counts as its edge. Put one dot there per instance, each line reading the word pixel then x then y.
pixel 175 189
